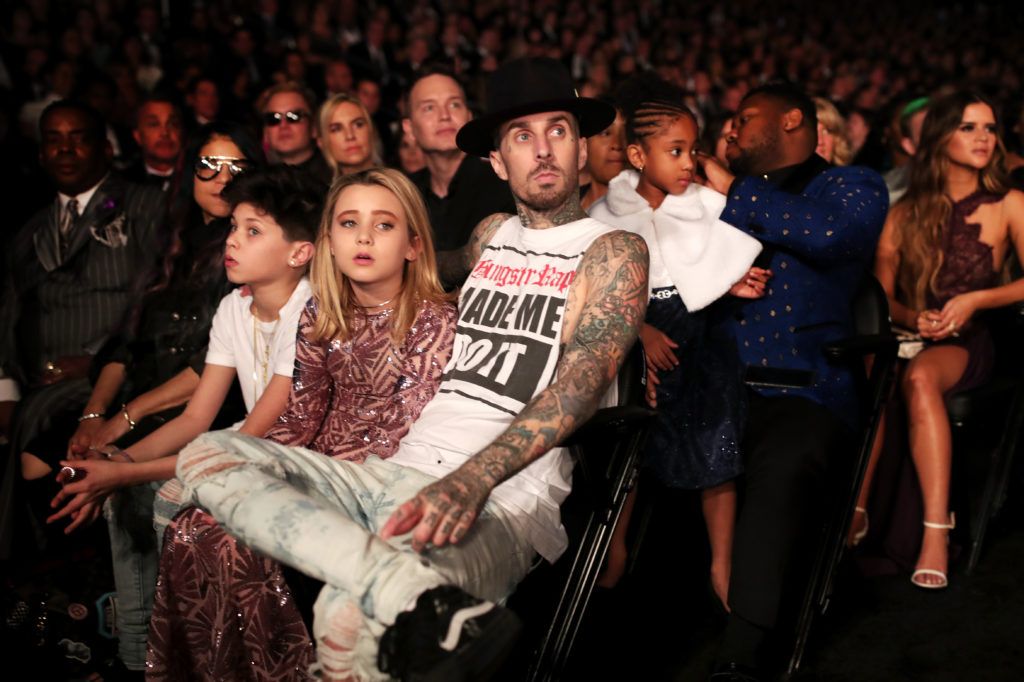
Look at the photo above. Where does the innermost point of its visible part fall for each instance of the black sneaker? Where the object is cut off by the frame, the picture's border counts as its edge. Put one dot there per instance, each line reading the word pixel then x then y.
pixel 450 636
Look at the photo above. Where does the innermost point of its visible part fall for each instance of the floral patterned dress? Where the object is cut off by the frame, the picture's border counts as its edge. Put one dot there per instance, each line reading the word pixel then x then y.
pixel 224 612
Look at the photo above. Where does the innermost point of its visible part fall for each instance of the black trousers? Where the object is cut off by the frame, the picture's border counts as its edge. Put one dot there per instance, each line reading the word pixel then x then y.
pixel 789 446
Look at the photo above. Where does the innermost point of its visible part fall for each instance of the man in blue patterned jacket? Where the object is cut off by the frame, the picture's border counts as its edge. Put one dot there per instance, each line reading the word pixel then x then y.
pixel 819 225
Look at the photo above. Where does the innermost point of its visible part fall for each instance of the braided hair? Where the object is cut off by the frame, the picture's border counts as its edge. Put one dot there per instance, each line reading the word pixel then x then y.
pixel 649 103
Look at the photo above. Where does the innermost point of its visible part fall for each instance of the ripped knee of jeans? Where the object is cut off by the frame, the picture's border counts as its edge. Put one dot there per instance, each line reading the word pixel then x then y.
pixel 336 647
pixel 204 457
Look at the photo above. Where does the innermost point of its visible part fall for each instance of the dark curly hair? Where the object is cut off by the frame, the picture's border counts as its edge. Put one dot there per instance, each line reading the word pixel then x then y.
pixel 292 197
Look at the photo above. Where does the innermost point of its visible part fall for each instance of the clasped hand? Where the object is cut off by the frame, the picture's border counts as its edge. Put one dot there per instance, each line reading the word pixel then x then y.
pixel 753 283
pixel 83 499
pixel 441 513
pixel 95 433
pixel 936 325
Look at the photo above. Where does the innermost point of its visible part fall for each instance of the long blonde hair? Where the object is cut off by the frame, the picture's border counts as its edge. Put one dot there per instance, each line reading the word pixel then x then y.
pixel 333 291
pixel 324 123
pixel 926 208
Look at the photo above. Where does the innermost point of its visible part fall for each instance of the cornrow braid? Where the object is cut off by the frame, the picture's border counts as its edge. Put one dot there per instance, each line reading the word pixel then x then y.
pixel 649 103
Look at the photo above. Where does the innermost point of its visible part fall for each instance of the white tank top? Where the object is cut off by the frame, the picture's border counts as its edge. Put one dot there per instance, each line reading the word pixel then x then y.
pixel 507 343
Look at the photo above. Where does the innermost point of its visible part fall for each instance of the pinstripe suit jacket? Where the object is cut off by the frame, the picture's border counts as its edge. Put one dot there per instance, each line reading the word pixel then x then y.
pixel 55 306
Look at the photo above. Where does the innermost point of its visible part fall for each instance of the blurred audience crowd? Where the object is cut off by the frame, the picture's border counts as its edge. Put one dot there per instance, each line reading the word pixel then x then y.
pixel 869 59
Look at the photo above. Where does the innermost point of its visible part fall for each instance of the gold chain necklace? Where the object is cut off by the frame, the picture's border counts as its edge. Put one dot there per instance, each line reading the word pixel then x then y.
pixel 260 360
pixel 376 305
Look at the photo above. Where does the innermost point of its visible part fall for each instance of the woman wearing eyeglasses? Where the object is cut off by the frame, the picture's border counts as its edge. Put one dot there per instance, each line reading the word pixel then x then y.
pixel 144 377
pixel 348 137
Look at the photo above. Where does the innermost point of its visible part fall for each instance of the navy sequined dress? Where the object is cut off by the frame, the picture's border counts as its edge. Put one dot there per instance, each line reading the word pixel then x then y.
pixel 694 443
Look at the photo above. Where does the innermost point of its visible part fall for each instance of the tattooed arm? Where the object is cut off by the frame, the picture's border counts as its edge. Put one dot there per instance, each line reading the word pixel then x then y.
pixel 454 266
pixel 607 302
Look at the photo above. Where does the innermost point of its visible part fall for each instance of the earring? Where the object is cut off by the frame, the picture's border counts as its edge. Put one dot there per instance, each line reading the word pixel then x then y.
pixel 641 170
pixel 291 262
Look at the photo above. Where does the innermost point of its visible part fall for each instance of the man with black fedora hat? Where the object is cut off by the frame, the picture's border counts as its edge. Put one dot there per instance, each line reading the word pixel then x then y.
pixel 552 305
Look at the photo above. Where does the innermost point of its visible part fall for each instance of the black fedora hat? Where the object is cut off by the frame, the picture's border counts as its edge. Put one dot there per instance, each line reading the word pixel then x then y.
pixel 528 86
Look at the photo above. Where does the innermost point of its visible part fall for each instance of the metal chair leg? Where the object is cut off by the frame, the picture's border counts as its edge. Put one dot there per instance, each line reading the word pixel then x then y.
pixel 995 482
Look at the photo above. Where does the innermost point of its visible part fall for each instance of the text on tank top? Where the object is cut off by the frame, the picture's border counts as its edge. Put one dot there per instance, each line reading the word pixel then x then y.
pixel 508 337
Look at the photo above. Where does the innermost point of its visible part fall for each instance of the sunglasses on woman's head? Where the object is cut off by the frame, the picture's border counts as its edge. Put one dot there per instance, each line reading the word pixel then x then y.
pixel 273 119
pixel 209 167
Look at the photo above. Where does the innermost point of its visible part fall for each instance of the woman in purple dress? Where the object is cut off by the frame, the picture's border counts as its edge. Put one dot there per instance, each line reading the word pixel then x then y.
pixel 939 258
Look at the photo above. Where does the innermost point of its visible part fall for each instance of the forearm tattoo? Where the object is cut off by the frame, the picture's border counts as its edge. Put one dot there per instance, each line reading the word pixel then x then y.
pixel 614 274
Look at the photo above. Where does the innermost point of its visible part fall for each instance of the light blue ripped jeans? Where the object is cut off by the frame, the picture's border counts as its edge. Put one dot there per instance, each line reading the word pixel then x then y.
pixel 322 517
pixel 135 566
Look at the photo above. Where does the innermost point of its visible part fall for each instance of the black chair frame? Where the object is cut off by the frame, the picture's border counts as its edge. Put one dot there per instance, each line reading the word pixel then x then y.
pixel 606 452
pixel 871 354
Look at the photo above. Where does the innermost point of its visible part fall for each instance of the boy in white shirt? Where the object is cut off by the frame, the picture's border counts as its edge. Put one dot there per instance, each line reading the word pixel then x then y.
pixel 274 218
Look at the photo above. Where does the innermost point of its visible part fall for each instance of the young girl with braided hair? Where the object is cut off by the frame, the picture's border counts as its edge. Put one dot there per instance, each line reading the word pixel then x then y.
pixel 694 369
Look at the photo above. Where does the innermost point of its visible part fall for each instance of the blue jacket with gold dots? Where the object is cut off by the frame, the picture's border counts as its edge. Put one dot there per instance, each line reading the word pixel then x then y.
pixel 819 225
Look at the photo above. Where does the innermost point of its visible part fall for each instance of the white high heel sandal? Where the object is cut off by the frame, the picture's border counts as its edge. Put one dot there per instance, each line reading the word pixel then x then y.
pixel 944 580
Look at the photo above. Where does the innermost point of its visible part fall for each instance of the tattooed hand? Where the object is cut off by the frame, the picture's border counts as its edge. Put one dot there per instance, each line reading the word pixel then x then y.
pixel 442 512
pixel 606 306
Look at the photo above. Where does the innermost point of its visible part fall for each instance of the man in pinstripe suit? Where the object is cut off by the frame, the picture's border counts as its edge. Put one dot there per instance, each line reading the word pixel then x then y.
pixel 73 273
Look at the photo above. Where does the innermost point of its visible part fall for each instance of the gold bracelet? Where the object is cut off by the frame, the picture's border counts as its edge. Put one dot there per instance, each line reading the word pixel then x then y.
pixel 127 418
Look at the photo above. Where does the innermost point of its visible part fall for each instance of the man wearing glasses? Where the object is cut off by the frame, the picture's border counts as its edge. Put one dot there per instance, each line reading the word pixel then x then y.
pixel 289 130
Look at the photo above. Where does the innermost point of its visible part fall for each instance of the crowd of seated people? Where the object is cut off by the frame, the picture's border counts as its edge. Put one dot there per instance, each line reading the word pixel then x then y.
pixel 206 234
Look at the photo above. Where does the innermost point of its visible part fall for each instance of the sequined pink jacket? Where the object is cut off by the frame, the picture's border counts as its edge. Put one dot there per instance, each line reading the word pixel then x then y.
pixel 359 397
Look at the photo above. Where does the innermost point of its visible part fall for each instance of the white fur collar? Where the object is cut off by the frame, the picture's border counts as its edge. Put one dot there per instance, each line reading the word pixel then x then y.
pixel 701 256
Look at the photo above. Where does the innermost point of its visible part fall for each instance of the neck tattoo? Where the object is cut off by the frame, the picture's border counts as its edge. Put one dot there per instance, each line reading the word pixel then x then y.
pixel 568 212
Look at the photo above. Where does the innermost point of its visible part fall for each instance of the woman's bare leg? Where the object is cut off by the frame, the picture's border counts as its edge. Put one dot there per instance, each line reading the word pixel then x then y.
pixel 860 519
pixel 933 372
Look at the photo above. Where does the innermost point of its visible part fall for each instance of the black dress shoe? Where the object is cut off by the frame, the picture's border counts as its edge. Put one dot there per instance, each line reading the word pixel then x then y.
pixel 734 672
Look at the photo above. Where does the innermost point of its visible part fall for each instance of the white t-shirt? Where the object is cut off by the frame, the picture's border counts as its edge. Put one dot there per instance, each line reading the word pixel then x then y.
pixel 233 334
